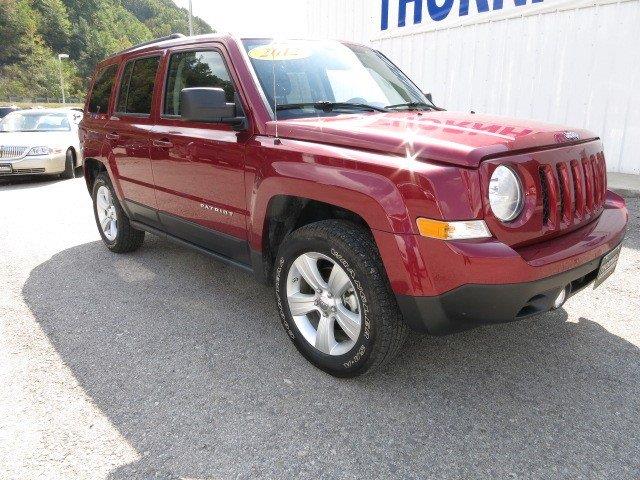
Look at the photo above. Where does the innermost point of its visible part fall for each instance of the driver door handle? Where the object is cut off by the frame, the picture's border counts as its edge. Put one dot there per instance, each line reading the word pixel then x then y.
pixel 112 136
pixel 162 143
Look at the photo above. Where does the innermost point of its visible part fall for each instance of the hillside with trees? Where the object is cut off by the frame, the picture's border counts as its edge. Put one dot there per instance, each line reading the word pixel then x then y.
pixel 34 32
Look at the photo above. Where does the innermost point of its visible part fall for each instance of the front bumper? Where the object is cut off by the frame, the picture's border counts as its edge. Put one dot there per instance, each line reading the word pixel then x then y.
pixel 35 165
pixel 471 305
pixel 457 285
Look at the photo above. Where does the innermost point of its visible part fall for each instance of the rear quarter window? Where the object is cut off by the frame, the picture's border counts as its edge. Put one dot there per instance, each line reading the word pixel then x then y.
pixel 101 91
pixel 136 88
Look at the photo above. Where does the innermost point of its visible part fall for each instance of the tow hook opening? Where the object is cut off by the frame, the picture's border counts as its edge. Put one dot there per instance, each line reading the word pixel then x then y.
pixel 562 297
pixel 545 301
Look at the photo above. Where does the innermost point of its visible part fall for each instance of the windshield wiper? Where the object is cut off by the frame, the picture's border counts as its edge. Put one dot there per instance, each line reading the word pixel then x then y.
pixel 330 106
pixel 413 106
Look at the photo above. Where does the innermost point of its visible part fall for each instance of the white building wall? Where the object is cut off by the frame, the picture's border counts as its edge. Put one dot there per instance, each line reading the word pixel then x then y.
pixel 574 63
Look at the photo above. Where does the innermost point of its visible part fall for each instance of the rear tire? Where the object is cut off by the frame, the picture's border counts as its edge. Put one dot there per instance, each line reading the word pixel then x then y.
pixel 112 221
pixel 69 166
pixel 328 244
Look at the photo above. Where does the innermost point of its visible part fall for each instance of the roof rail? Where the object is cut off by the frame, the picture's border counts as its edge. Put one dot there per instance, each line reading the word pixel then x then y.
pixel 173 36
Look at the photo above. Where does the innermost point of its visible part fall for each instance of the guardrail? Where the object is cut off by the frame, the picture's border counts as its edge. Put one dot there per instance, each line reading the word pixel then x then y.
pixel 39 100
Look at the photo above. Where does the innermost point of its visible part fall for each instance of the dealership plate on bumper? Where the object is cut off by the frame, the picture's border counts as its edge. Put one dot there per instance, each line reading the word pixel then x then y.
pixel 5 168
pixel 607 265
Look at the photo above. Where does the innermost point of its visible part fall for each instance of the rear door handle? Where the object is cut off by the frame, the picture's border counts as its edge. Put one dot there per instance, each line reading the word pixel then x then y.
pixel 162 143
pixel 112 136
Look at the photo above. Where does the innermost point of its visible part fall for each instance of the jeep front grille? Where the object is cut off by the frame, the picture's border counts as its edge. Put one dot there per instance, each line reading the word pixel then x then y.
pixel 573 191
pixel 564 189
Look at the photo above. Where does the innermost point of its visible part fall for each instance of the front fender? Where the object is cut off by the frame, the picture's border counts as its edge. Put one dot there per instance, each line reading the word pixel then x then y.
pixel 371 196
pixel 387 191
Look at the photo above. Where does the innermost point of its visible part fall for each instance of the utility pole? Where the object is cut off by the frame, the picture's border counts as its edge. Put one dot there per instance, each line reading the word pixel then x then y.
pixel 190 19
pixel 60 57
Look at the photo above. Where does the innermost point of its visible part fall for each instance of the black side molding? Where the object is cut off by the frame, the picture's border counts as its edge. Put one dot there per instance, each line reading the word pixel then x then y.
pixel 225 245
pixel 184 243
pixel 141 213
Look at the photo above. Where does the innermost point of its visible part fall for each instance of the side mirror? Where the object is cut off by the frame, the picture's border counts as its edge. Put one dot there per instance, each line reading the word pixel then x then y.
pixel 429 97
pixel 206 104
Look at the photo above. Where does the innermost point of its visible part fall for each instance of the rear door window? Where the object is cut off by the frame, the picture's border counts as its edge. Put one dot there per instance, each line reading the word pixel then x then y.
pixel 124 88
pixel 101 92
pixel 136 88
pixel 195 69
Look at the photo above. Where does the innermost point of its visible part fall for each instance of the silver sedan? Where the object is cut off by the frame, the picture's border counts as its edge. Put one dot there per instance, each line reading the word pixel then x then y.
pixel 40 142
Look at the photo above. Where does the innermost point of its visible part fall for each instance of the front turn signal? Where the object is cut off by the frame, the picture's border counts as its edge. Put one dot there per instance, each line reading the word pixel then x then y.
pixel 461 230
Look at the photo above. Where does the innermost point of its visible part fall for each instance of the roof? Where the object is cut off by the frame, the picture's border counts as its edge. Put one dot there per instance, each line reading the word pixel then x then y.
pixel 180 40
pixel 167 42
pixel 48 110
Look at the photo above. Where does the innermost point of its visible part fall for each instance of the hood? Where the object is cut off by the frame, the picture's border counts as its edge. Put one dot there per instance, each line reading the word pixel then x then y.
pixel 448 137
pixel 34 139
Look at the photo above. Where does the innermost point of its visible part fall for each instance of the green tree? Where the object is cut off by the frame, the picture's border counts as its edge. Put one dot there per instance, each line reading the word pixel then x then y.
pixel 164 18
pixel 27 65
pixel 53 23
pixel 34 32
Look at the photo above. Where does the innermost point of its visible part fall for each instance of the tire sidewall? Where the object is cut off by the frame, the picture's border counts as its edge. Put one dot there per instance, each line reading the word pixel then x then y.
pixel 69 165
pixel 357 358
pixel 102 182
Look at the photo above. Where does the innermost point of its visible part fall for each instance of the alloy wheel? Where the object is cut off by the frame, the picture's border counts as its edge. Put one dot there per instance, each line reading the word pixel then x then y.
pixel 324 303
pixel 107 214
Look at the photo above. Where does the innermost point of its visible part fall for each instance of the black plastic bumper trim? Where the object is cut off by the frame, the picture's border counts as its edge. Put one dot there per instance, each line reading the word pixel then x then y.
pixel 197 248
pixel 474 305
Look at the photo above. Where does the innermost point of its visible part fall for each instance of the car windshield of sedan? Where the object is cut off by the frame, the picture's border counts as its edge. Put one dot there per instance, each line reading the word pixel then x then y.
pixel 35 122
pixel 324 78
pixel 6 110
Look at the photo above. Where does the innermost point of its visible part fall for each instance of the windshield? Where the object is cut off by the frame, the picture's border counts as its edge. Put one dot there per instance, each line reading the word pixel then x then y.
pixel 6 110
pixel 35 122
pixel 323 72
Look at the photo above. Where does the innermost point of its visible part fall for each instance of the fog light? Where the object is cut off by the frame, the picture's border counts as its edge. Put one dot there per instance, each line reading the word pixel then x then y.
pixel 562 296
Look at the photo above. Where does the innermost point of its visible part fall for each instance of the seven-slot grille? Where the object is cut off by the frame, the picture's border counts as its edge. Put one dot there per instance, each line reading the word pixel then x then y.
pixel 12 152
pixel 573 191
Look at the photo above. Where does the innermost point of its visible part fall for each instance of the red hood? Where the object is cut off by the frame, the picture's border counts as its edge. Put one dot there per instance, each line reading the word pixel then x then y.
pixel 450 137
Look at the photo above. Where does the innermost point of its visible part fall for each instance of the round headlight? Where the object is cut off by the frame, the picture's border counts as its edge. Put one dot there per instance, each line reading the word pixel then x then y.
pixel 505 194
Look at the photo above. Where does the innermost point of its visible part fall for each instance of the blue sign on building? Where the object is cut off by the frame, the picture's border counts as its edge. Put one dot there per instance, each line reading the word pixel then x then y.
pixel 440 12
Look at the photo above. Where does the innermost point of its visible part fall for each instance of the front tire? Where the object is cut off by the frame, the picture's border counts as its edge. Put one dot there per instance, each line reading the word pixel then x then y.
pixel 69 166
pixel 334 299
pixel 113 224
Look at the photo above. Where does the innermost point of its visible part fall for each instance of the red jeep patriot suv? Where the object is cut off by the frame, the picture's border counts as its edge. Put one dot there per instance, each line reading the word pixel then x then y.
pixel 320 167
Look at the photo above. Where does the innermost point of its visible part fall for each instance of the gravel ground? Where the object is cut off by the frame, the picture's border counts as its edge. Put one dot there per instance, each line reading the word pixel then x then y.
pixel 167 364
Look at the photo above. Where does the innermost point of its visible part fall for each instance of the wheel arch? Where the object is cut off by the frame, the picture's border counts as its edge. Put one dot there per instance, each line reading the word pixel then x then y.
pixel 91 169
pixel 280 206
pixel 286 213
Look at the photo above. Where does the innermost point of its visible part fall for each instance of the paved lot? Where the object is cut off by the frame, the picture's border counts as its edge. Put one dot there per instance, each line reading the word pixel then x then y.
pixel 166 364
